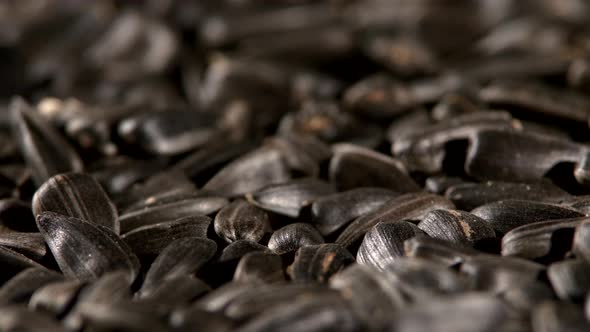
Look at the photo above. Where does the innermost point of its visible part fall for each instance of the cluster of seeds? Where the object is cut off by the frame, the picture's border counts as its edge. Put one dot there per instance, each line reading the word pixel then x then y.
pixel 295 165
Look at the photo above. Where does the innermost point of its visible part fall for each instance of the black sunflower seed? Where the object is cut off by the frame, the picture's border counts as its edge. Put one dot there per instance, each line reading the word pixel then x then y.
pixel 331 212
pixel 84 250
pixel 250 172
pixel 437 250
pixel 455 226
pixel 20 318
pixel 240 248
pixel 29 244
pixel 468 196
pixel 319 262
pixel 408 206
pixel 384 243
pixel 44 150
pixel 181 257
pixel 241 220
pixel 292 237
pixel 14 262
pixel 177 209
pixel 540 239
pixel 55 297
pixel 506 215
pixel 76 195
pixel 151 239
pixel 491 272
pixel 570 278
pixel 354 166
pixel 554 316
pixel 260 266
pixel 173 292
pixel 291 197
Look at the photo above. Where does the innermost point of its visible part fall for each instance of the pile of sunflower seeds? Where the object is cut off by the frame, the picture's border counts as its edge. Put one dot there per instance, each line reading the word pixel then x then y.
pixel 295 165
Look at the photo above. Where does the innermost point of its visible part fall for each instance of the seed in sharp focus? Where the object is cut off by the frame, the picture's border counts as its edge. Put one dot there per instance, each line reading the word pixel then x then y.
pixel 540 239
pixel 456 226
pixel 249 173
pixel 404 207
pixel 21 286
pixel 241 220
pixel 84 250
pixel 468 196
pixel 570 278
pixel 331 212
pixel 151 239
pixel 291 197
pixel 55 297
pixel 319 262
pixel 354 166
pixel 557 316
pixel 42 147
pixel 292 237
pixel 76 195
pixel 506 215
pixel 181 257
pixel 260 266
pixel 384 243
pixel 188 207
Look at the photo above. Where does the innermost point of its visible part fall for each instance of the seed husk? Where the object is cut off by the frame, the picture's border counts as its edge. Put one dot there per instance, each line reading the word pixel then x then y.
pixel 553 316
pixel 84 250
pixel 458 227
pixel 45 151
pixel 241 220
pixel 152 239
pixel 21 286
pixel 76 195
pixel 384 243
pixel 506 215
pixel 290 198
pixel 260 266
pixel 404 207
pixel 292 237
pixel 29 244
pixel 55 297
pixel 331 212
pixel 319 262
pixel 570 278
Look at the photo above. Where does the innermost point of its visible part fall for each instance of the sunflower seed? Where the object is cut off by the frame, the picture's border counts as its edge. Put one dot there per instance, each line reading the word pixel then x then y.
pixel 455 226
pixel 570 278
pixel 331 212
pixel 21 286
pixel 76 195
pixel 241 220
pixel 44 150
pixel 319 262
pixel 181 257
pixel 83 250
pixel 437 250
pixel 408 206
pixel 249 173
pixel 506 215
pixel 553 316
pixel 292 237
pixel 29 244
pixel 384 243
pixel 353 166
pixel 240 248
pixel 189 207
pixel 491 272
pixel 56 297
pixel 540 239
pixel 468 196
pixel 152 239
pixel 19 318
pixel 290 198
pixel 260 266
